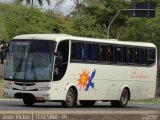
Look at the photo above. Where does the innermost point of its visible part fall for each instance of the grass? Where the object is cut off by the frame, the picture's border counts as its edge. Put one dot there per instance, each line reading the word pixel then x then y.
pixel 1 88
pixel 146 101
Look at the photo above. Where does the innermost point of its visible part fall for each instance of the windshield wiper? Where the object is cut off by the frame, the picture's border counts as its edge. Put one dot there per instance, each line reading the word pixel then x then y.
pixel 18 68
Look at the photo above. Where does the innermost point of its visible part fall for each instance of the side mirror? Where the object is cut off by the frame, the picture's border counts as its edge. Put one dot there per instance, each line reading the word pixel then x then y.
pixel 3 54
pixel 3 51
pixel 59 62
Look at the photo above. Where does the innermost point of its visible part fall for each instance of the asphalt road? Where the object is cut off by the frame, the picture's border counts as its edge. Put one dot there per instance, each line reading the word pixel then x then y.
pixel 101 111
pixel 7 105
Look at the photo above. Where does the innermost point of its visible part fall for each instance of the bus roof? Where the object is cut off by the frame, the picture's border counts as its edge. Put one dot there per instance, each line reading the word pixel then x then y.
pixel 62 37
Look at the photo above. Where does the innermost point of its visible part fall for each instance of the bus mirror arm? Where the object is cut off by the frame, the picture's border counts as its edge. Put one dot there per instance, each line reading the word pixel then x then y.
pixel 59 63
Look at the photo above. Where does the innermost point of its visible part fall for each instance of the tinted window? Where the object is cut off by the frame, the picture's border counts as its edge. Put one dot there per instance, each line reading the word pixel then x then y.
pixel 92 52
pixel 118 54
pixel 151 56
pixel 143 56
pixel 125 55
pixel 88 52
pixel 133 55
pixel 77 52
pixel 107 53
pixel 41 46
pixel 95 52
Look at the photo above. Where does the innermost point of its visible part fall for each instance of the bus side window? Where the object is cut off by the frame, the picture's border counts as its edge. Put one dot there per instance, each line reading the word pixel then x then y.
pixel 118 54
pixel 125 55
pixel 89 52
pixel 92 52
pixel 137 55
pixel 151 56
pixel 103 53
pixel 80 51
pixel 106 53
pixel 133 55
pixel 74 51
pixel 95 52
pixel 77 51
pixel 111 49
pixel 143 56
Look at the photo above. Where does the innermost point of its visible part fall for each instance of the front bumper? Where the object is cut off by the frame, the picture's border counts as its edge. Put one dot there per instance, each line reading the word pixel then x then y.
pixel 8 93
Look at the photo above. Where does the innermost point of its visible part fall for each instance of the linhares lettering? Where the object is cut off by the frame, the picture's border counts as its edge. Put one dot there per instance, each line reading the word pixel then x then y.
pixel 139 74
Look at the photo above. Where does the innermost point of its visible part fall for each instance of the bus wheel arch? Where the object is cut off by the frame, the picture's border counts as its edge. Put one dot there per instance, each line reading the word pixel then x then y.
pixel 71 97
pixel 76 93
pixel 124 98
pixel 127 88
pixel 74 88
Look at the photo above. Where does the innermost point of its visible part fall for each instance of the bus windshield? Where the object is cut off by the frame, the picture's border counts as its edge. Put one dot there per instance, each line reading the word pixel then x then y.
pixel 30 60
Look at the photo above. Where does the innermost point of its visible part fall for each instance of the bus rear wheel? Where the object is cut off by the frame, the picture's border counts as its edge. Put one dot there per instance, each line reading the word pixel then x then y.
pixel 28 102
pixel 70 99
pixel 87 103
pixel 123 100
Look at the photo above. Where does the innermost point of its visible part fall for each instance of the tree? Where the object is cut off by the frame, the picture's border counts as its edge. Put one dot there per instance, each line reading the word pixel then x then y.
pixel 99 14
pixel 31 2
pixel 27 20
pixel 144 29
pixel 3 29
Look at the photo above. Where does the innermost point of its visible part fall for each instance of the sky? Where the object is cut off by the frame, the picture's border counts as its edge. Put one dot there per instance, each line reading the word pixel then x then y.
pixel 66 8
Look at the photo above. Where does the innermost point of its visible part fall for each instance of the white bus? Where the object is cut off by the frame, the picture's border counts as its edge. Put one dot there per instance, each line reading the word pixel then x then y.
pixel 64 68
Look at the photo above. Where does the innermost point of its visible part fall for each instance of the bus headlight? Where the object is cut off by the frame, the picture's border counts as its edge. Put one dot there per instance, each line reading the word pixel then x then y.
pixel 43 88
pixel 8 87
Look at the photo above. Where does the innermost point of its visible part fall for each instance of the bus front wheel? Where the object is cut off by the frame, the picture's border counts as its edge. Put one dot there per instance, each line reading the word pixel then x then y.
pixel 123 100
pixel 28 102
pixel 70 99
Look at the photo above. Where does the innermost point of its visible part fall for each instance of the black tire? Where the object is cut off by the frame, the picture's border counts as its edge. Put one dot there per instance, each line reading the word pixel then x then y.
pixel 70 99
pixel 87 103
pixel 28 102
pixel 123 100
